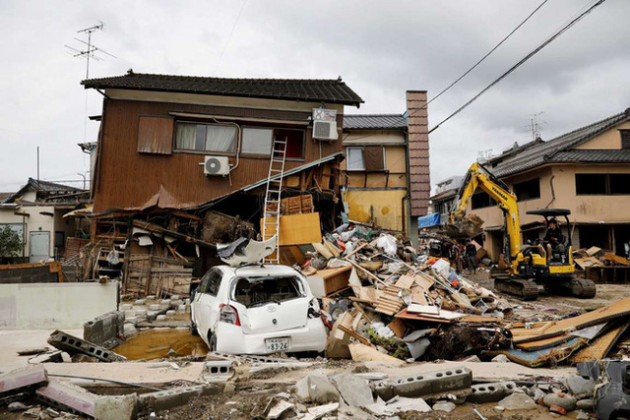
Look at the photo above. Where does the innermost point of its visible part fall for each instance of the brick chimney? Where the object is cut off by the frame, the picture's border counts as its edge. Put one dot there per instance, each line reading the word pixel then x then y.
pixel 419 177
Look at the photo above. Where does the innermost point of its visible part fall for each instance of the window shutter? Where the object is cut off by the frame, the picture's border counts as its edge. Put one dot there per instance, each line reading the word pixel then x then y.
pixel 155 135
pixel 374 158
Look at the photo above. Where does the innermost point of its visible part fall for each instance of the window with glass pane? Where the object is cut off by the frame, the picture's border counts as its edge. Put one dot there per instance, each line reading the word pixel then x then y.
pixel 257 141
pixel 354 159
pixel 205 137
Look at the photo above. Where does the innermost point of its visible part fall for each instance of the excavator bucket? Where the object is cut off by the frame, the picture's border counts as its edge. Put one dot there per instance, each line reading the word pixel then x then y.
pixel 468 227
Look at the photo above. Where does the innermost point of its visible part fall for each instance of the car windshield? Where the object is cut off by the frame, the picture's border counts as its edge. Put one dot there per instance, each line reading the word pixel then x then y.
pixel 256 291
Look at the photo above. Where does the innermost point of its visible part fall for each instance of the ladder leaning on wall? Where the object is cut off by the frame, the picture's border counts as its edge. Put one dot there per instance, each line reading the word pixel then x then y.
pixel 271 209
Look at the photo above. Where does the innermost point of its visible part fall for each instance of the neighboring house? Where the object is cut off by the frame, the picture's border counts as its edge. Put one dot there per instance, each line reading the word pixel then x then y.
pixel 586 170
pixel 36 213
pixel 387 166
pixel 444 199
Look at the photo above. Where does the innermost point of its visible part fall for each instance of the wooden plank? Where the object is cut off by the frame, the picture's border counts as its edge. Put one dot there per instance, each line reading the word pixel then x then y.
pixel 616 259
pixel 353 334
pixel 363 353
pixel 599 348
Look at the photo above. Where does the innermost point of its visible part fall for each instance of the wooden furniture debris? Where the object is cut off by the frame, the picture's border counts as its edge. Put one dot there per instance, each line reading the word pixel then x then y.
pixel 299 229
pixel 328 281
pixel 154 275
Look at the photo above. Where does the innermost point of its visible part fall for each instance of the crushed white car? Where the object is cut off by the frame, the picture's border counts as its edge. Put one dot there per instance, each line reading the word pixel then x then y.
pixel 257 310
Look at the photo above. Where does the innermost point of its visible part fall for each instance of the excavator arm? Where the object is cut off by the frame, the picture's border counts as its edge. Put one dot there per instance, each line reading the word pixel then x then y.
pixel 478 177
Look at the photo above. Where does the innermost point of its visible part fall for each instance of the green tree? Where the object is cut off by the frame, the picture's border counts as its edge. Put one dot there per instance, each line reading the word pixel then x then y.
pixel 10 242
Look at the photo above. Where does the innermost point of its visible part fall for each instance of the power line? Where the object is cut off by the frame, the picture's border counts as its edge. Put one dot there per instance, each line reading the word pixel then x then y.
pixel 517 65
pixel 231 33
pixel 487 54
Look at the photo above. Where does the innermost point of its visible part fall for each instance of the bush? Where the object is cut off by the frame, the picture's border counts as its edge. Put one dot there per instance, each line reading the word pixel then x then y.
pixel 11 244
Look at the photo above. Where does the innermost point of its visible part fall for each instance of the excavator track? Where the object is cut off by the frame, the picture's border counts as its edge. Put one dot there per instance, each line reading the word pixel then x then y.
pixel 583 288
pixel 520 288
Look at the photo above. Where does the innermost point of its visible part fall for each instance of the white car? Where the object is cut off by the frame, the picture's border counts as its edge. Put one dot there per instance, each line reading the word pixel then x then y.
pixel 257 310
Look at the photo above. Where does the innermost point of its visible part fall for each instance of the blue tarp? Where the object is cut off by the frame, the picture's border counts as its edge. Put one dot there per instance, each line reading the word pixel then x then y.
pixel 429 220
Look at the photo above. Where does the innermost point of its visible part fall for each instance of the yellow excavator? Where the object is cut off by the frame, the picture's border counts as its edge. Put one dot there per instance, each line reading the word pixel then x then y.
pixel 526 266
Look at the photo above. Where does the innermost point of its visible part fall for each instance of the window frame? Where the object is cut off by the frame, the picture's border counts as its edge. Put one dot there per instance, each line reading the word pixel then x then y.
pixel 204 288
pixel 518 199
pixel 303 153
pixel 624 135
pixel 348 159
pixel 242 139
pixel 607 184
pixel 205 152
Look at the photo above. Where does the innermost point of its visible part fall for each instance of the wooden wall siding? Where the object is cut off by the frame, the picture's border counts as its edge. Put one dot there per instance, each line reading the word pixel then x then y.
pixel 155 135
pixel 128 179
pixel 419 179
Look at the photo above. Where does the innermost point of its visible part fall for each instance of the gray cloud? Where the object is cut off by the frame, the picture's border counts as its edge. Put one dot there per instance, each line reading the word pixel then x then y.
pixel 380 48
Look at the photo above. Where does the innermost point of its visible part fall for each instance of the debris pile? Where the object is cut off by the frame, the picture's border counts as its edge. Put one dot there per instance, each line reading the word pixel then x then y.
pixel 596 257
pixel 384 300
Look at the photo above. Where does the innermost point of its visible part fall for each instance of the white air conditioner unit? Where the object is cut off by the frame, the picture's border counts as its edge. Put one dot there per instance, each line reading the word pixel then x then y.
pixel 325 130
pixel 216 165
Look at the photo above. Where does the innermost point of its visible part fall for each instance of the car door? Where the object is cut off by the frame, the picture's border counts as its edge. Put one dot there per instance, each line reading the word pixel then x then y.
pixel 206 302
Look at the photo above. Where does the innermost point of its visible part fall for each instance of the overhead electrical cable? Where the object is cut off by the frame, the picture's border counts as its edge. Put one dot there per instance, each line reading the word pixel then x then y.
pixel 518 64
pixel 487 54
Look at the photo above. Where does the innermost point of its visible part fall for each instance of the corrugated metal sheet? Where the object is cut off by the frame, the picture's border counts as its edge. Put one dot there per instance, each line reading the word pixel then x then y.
pixel 374 121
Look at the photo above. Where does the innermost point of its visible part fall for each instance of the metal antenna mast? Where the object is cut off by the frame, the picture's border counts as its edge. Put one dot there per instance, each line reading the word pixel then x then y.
pixel 89 50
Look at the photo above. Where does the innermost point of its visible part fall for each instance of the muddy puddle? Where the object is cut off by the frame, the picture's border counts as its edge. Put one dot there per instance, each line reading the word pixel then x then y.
pixel 154 344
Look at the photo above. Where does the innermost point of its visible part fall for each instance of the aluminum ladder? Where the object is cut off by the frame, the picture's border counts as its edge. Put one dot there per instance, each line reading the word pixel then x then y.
pixel 271 209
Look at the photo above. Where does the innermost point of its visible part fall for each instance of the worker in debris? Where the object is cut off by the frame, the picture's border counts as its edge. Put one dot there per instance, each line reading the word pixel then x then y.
pixel 471 252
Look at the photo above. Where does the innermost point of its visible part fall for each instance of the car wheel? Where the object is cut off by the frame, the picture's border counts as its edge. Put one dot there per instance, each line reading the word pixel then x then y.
pixel 193 327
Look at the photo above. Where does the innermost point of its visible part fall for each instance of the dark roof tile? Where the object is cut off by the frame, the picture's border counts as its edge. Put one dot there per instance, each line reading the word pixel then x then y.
pixel 315 90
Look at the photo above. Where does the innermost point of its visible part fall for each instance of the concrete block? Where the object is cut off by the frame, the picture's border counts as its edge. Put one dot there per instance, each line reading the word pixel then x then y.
pixel 170 312
pixel 105 330
pixel 130 330
pixel 355 391
pixel 164 400
pixel 126 306
pixel 150 297
pixel 141 313
pixel 130 321
pixel 121 407
pixel 30 376
pixel 68 397
pixel 492 392
pixel 130 313
pixel 151 315
pixel 316 388
pixel 430 383
pixel 165 302
pixel 176 302
pixel 175 297
pixel 139 302
pixel 566 401
pixel 154 307
pixel 160 317
pixel 72 344
pixel 181 308
pixel 187 302
pixel 217 371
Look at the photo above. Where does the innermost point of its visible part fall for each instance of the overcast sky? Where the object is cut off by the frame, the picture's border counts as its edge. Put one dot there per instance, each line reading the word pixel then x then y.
pixel 379 48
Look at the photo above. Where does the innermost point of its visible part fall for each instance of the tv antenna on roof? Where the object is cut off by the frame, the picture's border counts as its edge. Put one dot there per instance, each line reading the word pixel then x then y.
pixel 90 50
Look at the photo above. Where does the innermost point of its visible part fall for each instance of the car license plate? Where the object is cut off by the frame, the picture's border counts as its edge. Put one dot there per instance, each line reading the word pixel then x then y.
pixel 277 344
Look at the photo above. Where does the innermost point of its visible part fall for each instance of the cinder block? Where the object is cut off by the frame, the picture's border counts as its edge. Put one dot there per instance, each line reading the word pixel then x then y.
pixel 17 379
pixel 68 397
pixel 164 400
pixel 72 344
pixel 217 370
pixel 119 407
pixel 105 329
pixel 430 383
pixel 139 302
pixel 126 306
pixel 492 392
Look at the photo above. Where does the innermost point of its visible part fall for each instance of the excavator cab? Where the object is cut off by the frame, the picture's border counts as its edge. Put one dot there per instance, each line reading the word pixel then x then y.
pixel 557 246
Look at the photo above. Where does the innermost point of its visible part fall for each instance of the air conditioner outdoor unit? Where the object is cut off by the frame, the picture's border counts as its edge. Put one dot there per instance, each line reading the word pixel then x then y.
pixel 325 130
pixel 216 165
